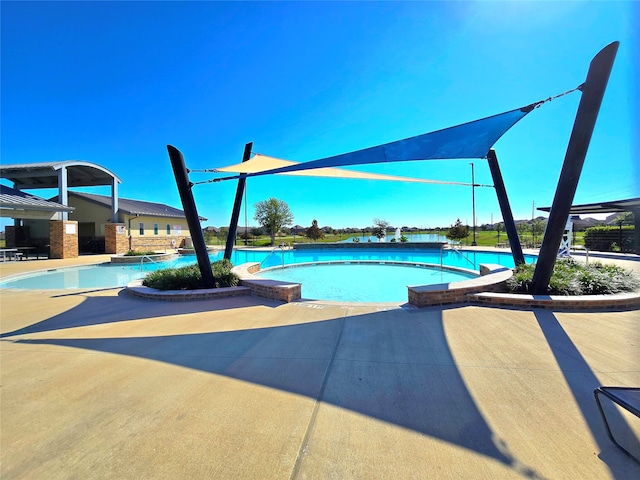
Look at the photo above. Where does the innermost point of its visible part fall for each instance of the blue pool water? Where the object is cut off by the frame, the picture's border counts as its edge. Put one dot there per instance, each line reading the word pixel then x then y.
pixel 361 282
pixel 107 275
pixel 453 258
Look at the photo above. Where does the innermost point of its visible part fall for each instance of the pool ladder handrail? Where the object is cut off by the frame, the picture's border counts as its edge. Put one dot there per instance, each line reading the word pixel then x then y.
pixel 280 247
pixel 142 261
pixel 456 249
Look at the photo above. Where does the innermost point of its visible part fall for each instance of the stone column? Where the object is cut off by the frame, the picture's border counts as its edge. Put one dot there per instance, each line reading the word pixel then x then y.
pixel 115 238
pixel 63 238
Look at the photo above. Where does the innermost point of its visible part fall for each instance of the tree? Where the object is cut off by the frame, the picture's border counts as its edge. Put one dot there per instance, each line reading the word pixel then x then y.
pixel 379 228
pixel 458 231
pixel 313 232
pixel 523 228
pixel 624 218
pixel 208 236
pixel 273 214
pixel 537 229
pixel 499 226
pixel 222 234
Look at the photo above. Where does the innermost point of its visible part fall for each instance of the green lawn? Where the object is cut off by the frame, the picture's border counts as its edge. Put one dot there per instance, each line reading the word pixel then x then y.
pixel 486 238
pixel 489 238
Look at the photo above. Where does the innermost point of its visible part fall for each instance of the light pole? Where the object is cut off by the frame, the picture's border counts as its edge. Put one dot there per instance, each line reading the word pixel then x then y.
pixel 533 223
pixel 473 203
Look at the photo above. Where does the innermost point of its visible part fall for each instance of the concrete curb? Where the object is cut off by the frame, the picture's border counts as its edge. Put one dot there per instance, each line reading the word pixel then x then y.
pixel 136 289
pixel 618 301
pixel 492 279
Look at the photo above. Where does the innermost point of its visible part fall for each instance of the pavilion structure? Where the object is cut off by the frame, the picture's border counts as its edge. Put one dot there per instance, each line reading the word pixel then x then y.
pixel 59 175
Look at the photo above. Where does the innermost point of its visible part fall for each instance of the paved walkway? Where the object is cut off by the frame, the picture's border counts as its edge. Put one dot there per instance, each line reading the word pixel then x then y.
pixel 103 385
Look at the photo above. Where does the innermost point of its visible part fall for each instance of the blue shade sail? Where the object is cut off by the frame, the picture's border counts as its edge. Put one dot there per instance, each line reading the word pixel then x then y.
pixel 469 140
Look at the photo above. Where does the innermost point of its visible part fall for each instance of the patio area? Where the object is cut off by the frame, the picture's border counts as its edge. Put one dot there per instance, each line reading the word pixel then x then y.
pixel 100 384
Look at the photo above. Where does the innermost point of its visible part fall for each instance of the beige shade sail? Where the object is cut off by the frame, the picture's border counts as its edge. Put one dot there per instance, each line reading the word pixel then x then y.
pixel 260 163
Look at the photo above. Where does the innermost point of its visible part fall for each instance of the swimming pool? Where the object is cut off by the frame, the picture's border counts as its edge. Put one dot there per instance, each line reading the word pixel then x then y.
pixel 361 282
pixel 108 275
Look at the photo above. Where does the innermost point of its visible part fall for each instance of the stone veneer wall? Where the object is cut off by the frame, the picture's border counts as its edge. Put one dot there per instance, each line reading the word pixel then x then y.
pixel 156 243
pixel 115 238
pixel 138 290
pixel 63 238
pixel 275 290
pixel 618 301
pixel 262 287
pixel 493 279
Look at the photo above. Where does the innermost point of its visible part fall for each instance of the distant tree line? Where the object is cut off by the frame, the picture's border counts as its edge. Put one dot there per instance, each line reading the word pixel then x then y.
pixel 275 218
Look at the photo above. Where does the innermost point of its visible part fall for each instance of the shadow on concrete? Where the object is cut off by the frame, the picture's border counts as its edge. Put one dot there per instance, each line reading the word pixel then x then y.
pixel 95 310
pixel 582 381
pixel 394 365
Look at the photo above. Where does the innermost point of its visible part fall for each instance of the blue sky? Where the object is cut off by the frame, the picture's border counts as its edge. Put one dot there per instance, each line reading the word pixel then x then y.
pixel 114 82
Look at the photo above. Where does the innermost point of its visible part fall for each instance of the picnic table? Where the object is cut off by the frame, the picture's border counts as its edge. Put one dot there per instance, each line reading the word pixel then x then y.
pixel 8 252
pixel 26 250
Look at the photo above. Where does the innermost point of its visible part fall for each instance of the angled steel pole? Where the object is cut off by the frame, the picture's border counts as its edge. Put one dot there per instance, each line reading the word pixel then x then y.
pixel 592 92
pixel 235 214
pixel 505 208
pixel 190 211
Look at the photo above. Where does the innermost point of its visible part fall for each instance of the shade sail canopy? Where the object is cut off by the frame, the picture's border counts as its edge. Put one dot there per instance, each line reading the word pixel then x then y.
pixel 261 163
pixel 469 140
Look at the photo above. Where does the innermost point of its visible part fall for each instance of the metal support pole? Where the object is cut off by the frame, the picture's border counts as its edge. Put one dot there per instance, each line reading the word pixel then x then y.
pixel 63 191
pixel 235 214
pixel 592 93
pixel 473 204
pixel 505 208
pixel 114 200
pixel 190 211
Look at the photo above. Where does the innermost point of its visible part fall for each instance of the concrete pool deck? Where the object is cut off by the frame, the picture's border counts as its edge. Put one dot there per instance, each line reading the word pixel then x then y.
pixel 99 384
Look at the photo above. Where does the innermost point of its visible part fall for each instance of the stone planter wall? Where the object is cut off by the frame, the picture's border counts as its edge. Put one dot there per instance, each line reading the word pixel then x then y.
pixel 261 287
pixel 133 259
pixel 492 279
